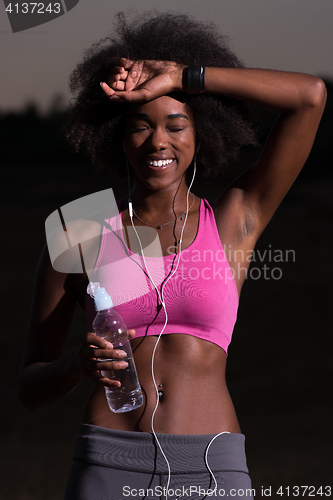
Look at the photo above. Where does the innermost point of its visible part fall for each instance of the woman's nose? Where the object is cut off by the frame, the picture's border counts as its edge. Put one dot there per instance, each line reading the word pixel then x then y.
pixel 158 139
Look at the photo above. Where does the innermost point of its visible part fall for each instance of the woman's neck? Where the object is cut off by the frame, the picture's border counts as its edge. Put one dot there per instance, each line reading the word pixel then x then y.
pixel 162 203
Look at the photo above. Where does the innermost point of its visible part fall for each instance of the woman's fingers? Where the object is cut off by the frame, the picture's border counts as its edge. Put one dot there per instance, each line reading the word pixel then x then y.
pixel 142 81
pixel 107 365
pixel 119 70
pixel 106 89
pixel 119 85
pixel 95 348
pixel 142 95
pixel 96 355
pixel 134 75
pixel 91 339
pixel 124 78
pixel 131 333
pixel 120 73
pixel 99 377
pixel 107 382
pixel 117 78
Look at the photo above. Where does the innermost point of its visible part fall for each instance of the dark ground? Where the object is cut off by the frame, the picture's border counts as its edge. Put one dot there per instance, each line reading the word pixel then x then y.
pixel 279 367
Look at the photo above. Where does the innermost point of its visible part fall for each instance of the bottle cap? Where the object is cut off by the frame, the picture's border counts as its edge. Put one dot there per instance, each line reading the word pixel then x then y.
pixel 92 288
pixel 102 300
pixel 101 297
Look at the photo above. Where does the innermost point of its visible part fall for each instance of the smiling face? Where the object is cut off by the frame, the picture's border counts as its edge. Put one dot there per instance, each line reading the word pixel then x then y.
pixel 160 142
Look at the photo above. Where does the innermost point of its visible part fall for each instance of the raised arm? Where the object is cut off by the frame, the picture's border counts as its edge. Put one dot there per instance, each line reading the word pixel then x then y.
pixel 298 97
pixel 300 100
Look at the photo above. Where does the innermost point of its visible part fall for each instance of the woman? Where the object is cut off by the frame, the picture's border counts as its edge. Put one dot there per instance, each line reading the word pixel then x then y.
pixel 167 118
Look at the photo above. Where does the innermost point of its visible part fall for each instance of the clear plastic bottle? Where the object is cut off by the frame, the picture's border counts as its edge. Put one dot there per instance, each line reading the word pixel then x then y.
pixel 110 326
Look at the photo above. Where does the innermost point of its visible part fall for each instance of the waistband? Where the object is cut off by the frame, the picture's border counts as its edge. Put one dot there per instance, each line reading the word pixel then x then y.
pixel 139 452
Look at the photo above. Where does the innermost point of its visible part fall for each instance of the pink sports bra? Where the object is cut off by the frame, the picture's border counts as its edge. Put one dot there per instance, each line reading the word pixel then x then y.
pixel 201 298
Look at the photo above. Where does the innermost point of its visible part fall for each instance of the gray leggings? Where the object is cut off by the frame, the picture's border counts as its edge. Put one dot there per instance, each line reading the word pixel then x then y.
pixel 115 465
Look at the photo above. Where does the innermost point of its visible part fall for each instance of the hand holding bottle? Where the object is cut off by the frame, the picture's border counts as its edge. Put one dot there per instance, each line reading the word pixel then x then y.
pixel 91 353
pixel 123 391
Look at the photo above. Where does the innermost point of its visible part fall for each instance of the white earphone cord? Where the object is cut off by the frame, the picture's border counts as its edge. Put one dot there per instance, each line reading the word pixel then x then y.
pixel 160 295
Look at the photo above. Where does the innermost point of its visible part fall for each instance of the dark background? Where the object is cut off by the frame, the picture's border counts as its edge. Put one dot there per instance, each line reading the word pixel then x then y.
pixel 279 365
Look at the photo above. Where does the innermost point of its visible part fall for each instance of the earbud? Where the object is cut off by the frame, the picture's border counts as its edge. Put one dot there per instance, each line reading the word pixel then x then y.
pixel 124 146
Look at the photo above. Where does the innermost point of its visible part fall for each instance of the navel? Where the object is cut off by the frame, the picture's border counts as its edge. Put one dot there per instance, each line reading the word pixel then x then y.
pixel 160 392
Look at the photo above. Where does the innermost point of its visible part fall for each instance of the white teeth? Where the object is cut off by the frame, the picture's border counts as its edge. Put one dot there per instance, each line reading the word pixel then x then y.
pixel 160 163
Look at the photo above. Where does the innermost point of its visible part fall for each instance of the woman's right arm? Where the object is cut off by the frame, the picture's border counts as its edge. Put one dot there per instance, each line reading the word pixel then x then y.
pixel 46 375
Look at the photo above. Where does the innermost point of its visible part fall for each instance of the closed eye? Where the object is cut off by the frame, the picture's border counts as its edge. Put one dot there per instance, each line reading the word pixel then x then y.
pixel 139 128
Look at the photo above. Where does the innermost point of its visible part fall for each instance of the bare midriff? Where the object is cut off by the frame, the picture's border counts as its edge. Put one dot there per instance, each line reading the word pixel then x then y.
pixel 190 375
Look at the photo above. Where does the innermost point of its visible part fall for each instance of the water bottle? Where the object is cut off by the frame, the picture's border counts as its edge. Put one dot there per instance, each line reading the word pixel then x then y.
pixel 110 326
